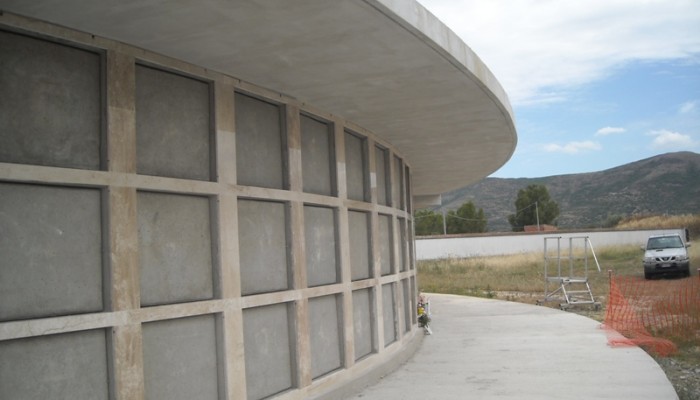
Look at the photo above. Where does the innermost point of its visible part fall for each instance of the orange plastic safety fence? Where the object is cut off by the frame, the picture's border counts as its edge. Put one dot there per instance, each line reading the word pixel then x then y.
pixel 653 314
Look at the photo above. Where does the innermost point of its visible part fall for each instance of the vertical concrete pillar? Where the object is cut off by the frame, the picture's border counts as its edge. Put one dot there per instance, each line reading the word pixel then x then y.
pixel 375 246
pixel 398 292
pixel 293 123
pixel 298 251
pixel 344 247
pixel 232 362
pixel 127 344
pixel 372 167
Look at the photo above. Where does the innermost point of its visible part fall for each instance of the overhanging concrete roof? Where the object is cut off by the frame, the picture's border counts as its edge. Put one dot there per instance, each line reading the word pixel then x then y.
pixel 388 66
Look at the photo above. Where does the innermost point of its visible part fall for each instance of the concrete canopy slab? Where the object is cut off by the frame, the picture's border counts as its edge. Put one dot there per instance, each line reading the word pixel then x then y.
pixel 387 65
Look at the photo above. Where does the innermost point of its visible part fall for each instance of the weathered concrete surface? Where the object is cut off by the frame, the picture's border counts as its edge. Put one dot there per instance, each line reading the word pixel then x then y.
pixel 486 349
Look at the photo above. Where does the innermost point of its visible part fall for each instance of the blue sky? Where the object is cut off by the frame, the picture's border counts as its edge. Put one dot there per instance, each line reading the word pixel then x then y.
pixel 594 84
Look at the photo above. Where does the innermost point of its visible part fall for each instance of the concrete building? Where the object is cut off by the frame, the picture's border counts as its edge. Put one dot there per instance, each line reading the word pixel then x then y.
pixel 213 199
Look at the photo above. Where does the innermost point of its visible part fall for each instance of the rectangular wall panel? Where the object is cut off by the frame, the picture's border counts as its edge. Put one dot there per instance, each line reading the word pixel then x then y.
pixel 317 158
pixel 262 237
pixel 50 107
pixel 180 359
pixel 360 263
pixel 362 322
pixel 259 143
pixel 356 167
pixel 50 251
pixel 321 248
pixel 268 352
pixel 389 317
pixel 173 131
pixel 67 366
pixel 175 248
pixel 325 335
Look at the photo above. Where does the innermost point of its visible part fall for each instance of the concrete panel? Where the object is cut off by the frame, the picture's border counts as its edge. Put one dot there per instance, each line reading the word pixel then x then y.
pixel 414 298
pixel 403 245
pixel 268 350
pixel 67 366
pixel 360 264
pixel 325 334
pixel 50 251
pixel 411 246
pixel 50 107
pixel 386 244
pixel 409 190
pixel 180 359
pixel 407 304
pixel 381 156
pixel 262 237
pixel 397 195
pixel 363 331
pixel 317 157
pixel 389 317
pixel 321 249
pixel 356 167
pixel 173 115
pixel 259 143
pixel 174 248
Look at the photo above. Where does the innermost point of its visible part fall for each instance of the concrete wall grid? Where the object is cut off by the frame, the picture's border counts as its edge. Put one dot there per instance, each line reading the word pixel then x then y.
pixel 168 232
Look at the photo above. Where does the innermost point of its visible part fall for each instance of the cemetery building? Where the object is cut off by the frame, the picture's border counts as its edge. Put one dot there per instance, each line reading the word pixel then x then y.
pixel 213 199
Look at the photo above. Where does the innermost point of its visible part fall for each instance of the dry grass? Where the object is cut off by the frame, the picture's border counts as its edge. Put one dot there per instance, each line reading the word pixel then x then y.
pixel 688 221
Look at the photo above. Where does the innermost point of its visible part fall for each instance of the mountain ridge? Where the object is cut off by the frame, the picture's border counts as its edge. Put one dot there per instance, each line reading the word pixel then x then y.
pixel 664 184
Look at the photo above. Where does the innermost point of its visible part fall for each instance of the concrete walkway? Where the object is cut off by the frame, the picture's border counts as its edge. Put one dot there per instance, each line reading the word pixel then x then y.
pixel 489 349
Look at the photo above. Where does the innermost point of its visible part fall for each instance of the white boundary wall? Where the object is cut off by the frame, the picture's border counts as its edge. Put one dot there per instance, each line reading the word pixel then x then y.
pixel 514 243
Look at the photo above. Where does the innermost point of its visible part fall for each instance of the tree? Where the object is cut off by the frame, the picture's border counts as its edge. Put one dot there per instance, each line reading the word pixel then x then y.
pixel 533 205
pixel 428 222
pixel 466 219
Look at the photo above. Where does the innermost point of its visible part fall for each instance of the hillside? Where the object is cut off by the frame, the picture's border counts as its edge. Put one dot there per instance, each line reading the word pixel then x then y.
pixel 668 183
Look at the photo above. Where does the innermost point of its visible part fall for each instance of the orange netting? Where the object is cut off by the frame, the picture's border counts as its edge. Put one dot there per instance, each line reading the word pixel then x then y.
pixel 653 314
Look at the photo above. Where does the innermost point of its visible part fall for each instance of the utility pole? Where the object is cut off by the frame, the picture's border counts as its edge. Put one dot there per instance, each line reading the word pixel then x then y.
pixel 444 222
pixel 537 214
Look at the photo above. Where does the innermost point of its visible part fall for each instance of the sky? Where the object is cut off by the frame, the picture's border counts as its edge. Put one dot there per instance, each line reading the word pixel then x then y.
pixel 593 84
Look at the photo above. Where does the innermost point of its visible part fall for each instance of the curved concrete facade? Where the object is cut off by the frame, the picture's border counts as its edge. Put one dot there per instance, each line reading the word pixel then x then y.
pixel 213 200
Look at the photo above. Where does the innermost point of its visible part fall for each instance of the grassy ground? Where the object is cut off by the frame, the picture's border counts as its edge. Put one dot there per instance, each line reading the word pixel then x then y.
pixel 521 277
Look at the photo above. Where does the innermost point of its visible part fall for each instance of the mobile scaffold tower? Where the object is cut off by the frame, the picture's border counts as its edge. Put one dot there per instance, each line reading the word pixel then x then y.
pixel 571 289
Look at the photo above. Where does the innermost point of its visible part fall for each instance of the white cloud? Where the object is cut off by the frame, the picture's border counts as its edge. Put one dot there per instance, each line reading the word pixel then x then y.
pixel 688 107
pixel 609 130
pixel 573 147
pixel 668 140
pixel 535 47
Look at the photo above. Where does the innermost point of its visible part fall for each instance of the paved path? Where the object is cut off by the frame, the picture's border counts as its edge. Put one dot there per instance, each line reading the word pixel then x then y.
pixel 489 349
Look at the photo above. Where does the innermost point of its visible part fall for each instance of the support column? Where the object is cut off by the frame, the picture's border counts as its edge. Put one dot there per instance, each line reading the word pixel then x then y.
pixel 344 247
pixel 232 362
pixel 126 340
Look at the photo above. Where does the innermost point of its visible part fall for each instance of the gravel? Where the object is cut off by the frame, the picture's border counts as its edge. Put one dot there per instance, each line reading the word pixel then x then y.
pixel 684 375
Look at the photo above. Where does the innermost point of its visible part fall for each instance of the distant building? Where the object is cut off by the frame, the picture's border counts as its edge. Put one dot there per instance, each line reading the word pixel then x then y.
pixel 213 199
